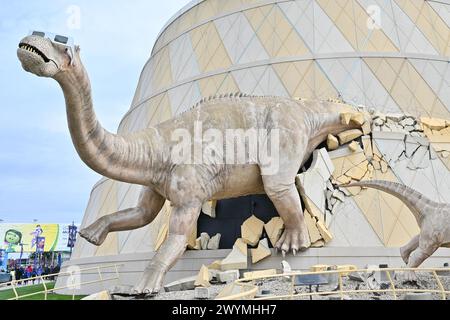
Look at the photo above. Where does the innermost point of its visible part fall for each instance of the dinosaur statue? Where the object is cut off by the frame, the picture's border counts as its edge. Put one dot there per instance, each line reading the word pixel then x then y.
pixel 145 158
pixel 433 219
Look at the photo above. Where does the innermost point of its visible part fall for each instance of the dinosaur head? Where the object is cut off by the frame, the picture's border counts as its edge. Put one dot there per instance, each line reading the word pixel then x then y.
pixel 46 55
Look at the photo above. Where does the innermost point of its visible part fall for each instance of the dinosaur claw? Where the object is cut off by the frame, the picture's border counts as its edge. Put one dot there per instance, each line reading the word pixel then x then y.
pixel 284 253
pixel 294 251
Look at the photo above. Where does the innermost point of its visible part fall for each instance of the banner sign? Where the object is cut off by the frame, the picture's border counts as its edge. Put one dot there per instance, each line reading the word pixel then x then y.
pixel 72 236
pixel 35 237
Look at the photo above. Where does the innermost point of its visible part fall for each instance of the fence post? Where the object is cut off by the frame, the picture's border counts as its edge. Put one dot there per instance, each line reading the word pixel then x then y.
pixel 340 286
pixel 45 288
pixel 13 285
pixel 394 290
pixel 444 296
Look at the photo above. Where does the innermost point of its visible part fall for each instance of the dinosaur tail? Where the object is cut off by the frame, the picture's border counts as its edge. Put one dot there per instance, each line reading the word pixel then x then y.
pixel 415 201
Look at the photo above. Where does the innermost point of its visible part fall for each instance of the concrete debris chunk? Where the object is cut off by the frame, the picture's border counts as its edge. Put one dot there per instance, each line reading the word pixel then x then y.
pixel 346 118
pixel 101 296
pixel 202 293
pixel 285 267
pixel 262 273
pixel 181 285
pixel 332 142
pixel 378 122
pixel 356 276
pixel 261 252
pixel 326 234
pixel 203 278
pixel 228 276
pixel 274 229
pixel 192 241
pixel 354 146
pixel 198 244
pixel 314 234
pixel 350 135
pixel 319 268
pixel 233 289
pixel 237 259
pixel 366 128
pixel 215 265
pixel 204 239
pixel 209 208
pixel 252 230
pixel 345 270
pixel 434 123
pixel 318 244
pixel 214 242
pixel 358 119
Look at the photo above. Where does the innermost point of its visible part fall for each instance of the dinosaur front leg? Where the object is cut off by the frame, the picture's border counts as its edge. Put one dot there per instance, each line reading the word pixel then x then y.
pixel 150 204
pixel 182 222
pixel 409 248
pixel 287 202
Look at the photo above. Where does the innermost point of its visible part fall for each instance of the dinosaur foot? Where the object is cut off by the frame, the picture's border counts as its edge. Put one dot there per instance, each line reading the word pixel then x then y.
pixel 96 233
pixel 295 240
pixel 410 277
pixel 150 283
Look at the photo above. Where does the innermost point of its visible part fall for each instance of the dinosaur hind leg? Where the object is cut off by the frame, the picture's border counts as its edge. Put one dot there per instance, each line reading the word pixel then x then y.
pixel 150 204
pixel 287 202
pixel 182 222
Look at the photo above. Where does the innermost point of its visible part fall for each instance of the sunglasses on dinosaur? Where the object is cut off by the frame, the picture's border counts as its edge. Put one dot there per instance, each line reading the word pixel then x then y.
pixel 57 39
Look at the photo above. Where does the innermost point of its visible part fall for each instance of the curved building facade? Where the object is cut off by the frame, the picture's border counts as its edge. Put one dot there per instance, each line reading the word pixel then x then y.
pixel 391 55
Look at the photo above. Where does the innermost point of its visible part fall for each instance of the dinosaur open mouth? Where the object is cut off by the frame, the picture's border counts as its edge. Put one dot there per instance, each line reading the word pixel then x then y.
pixel 34 50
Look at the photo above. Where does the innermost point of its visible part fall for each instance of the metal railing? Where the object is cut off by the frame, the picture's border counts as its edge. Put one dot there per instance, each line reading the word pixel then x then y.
pixel 74 285
pixel 249 288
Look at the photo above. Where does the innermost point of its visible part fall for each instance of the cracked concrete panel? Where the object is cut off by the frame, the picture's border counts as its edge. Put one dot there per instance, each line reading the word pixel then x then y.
pixel 350 227
pixel 390 220
pixel 312 184
pixel 314 234
pixel 386 214
pixel 432 178
pixel 438 133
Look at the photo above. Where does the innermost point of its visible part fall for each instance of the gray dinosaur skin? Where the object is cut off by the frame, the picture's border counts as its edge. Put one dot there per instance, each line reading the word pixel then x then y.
pixel 144 158
pixel 433 219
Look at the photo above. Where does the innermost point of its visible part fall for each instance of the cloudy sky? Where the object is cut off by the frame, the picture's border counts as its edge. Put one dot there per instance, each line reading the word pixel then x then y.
pixel 41 176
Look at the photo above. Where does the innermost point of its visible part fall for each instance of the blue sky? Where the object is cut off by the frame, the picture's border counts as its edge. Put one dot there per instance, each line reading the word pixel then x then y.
pixel 41 176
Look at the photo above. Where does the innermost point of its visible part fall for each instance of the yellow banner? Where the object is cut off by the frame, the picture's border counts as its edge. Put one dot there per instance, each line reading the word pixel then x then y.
pixel 43 236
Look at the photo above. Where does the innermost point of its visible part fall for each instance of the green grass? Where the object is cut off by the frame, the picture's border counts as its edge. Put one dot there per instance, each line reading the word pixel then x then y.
pixel 8 294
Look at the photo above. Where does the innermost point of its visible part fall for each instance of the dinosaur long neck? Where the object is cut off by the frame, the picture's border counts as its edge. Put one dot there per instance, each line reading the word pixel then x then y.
pixel 110 155
pixel 416 202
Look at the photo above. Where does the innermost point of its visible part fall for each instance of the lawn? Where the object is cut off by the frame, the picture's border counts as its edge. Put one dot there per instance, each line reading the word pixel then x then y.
pixel 8 294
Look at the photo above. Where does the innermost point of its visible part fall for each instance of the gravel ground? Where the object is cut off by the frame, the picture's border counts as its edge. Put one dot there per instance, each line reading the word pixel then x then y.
pixel 280 287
